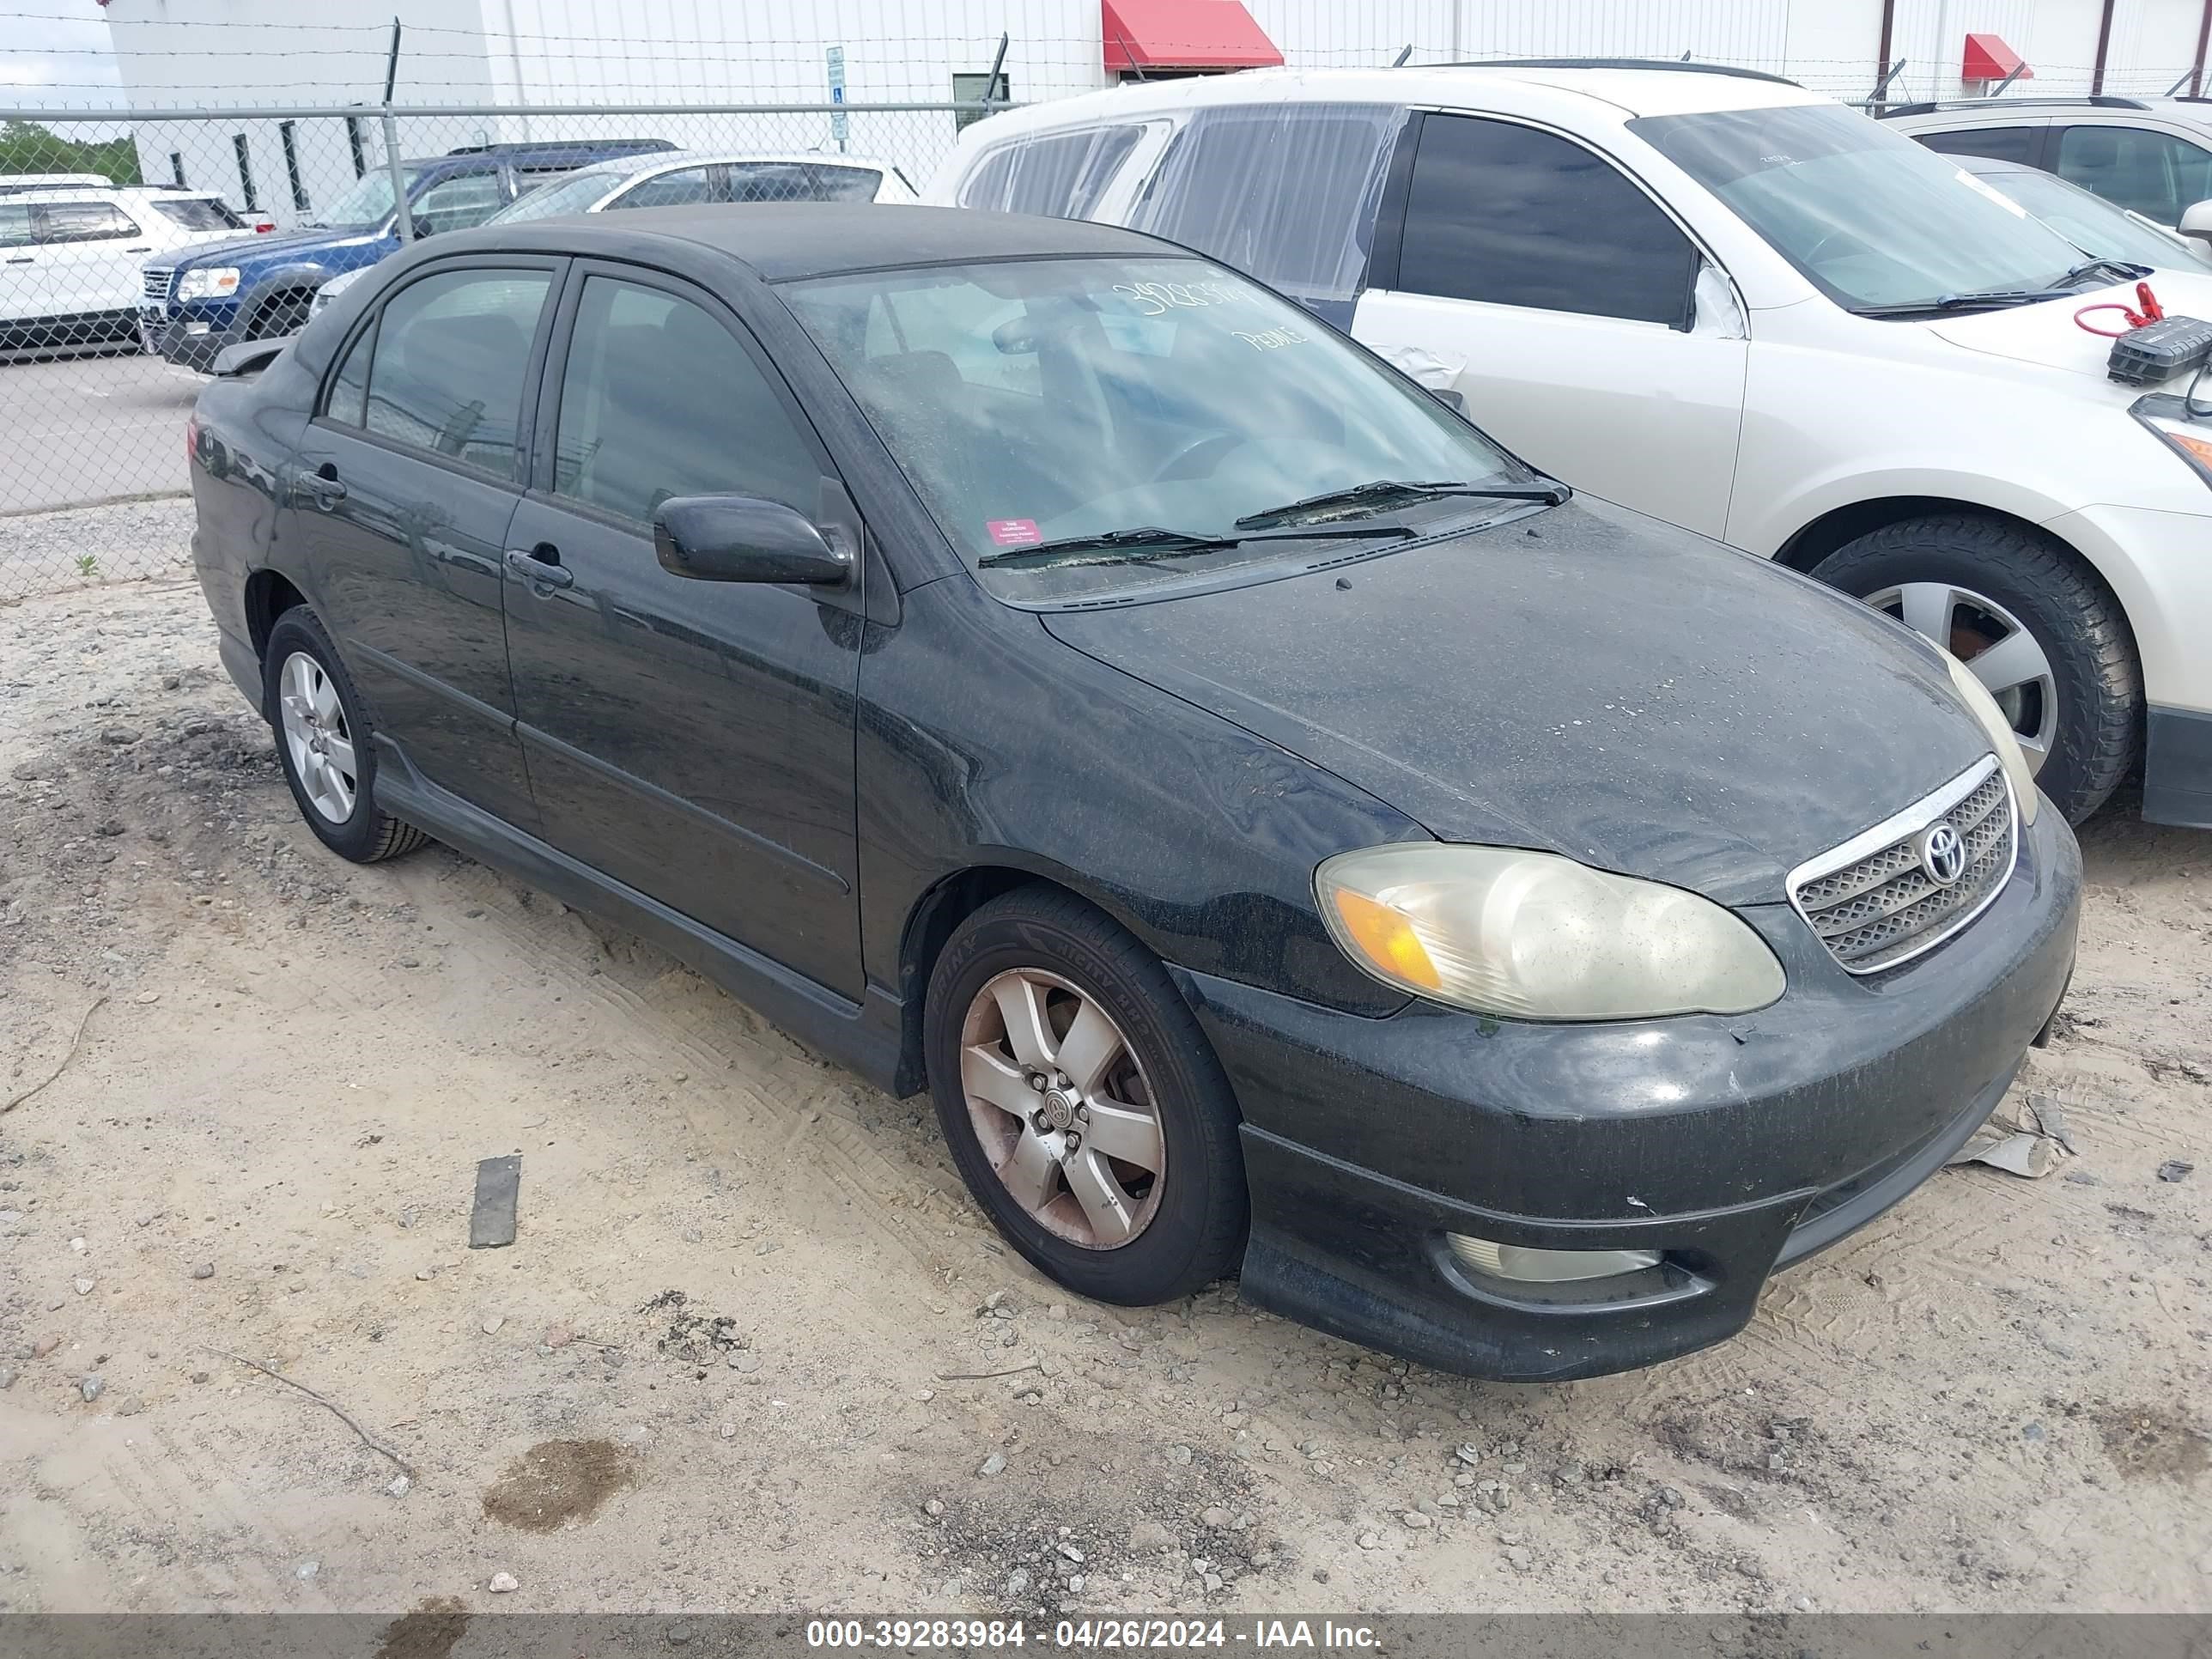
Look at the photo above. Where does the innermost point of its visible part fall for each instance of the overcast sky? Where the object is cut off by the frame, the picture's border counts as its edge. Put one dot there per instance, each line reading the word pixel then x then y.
pixel 57 51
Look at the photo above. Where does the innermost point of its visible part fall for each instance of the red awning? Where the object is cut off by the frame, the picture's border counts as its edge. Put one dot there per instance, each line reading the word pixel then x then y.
pixel 1988 59
pixel 1183 35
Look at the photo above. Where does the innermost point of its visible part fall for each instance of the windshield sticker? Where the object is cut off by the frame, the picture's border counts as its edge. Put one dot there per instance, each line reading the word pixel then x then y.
pixel 1157 299
pixel 1271 339
pixel 1014 532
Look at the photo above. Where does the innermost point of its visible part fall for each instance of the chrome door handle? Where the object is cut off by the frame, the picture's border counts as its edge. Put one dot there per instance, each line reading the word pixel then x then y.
pixel 540 566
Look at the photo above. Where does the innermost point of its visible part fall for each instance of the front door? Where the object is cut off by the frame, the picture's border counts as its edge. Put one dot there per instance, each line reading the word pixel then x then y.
pixel 692 740
pixel 406 480
pixel 1577 320
pixel 89 254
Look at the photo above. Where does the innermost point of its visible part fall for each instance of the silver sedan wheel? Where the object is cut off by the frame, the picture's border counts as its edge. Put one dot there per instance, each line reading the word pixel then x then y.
pixel 1062 1109
pixel 316 736
pixel 1994 645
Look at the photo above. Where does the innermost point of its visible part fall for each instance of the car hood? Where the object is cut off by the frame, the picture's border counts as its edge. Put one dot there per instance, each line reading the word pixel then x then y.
pixel 255 250
pixel 1586 681
pixel 2047 336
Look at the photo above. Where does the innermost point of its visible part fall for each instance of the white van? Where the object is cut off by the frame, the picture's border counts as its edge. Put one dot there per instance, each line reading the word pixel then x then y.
pixel 1737 307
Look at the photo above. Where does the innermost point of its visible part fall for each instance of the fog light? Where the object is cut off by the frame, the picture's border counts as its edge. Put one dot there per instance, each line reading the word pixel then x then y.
pixel 1547 1267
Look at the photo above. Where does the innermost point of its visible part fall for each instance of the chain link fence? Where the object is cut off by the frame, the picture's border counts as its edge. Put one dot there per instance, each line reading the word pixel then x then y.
pixel 305 143
pixel 132 252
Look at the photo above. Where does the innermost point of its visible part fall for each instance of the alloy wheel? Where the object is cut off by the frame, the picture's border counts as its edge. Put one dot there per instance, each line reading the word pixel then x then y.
pixel 1062 1108
pixel 1996 648
pixel 318 738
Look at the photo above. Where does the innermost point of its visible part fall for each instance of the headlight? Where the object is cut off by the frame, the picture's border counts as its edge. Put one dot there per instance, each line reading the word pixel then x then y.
pixel 213 283
pixel 2186 438
pixel 1976 697
pixel 1536 936
pixel 331 290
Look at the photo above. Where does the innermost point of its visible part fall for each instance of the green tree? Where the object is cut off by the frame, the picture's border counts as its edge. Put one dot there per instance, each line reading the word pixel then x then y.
pixel 27 147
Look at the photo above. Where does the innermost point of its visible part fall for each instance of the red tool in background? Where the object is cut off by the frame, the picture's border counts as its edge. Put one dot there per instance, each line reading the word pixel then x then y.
pixel 2152 312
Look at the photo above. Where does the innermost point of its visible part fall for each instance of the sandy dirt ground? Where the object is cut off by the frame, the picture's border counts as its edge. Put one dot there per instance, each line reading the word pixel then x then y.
pixel 729 1362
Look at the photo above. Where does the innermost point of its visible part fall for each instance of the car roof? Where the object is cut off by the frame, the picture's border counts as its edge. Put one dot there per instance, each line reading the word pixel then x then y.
pixel 1562 89
pixel 784 241
pixel 676 160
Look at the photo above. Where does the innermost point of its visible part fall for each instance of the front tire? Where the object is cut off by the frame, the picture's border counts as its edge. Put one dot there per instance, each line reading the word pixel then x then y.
pixel 1082 1104
pixel 2040 631
pixel 323 743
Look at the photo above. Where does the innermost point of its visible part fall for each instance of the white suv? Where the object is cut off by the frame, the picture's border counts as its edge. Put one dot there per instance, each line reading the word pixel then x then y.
pixel 1737 307
pixel 71 255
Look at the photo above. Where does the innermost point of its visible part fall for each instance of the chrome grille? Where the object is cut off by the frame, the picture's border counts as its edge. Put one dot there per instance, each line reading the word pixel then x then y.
pixel 1873 903
pixel 157 279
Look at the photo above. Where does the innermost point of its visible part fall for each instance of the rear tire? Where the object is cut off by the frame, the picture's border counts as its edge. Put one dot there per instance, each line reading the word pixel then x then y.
pixel 1996 578
pixel 327 747
pixel 1133 1188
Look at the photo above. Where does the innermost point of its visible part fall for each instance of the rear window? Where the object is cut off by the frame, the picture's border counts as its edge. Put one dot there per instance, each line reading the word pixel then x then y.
pixel 1063 176
pixel 197 212
pixel 1287 193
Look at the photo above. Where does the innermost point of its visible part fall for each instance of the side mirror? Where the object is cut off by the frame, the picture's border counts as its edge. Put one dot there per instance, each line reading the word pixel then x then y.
pixel 2197 221
pixel 742 538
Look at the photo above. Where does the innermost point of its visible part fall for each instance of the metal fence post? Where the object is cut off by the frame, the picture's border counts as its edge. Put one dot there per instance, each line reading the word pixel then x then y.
pixel 391 143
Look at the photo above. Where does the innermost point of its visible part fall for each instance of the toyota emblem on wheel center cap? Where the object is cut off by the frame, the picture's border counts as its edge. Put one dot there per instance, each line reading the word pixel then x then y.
pixel 1942 854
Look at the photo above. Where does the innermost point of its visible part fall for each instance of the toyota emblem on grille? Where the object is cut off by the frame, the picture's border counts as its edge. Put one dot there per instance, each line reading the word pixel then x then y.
pixel 1942 854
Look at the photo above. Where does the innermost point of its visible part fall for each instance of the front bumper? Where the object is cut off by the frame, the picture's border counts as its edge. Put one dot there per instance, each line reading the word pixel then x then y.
pixel 1731 1145
pixel 191 337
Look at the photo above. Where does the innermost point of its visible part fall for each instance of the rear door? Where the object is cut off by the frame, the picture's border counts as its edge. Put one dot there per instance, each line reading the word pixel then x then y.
pixel 2157 174
pixel 405 482
pixel 692 740
pixel 1584 329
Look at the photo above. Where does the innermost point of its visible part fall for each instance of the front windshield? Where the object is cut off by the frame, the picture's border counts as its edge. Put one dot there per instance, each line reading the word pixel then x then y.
pixel 1050 400
pixel 1870 218
pixel 368 204
pixel 577 193
pixel 2094 224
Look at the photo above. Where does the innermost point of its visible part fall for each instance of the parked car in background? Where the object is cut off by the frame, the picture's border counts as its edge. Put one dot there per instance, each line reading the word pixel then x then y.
pixel 2097 227
pixel 69 254
pixel 2152 156
pixel 681 177
pixel 1742 307
pixel 1283 830
pixel 192 308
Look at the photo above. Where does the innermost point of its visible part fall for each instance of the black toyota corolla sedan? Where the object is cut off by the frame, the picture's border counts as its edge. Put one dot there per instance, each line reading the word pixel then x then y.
pixel 1284 832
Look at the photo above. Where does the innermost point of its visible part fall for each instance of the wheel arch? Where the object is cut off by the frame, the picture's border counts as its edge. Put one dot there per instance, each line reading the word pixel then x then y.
pixel 1839 526
pixel 940 908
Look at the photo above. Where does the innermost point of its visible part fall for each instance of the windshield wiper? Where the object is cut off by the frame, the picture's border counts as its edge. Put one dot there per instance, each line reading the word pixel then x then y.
pixel 1388 489
pixel 1147 542
pixel 2000 299
pixel 2121 268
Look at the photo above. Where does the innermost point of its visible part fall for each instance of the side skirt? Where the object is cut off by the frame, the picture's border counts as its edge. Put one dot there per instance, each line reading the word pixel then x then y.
pixel 865 1037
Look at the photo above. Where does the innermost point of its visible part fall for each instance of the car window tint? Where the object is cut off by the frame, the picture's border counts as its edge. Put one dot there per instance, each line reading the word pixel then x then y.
pixel 452 353
pixel 1519 217
pixel 678 189
pixel 771 181
pixel 1998 143
pixel 1286 192
pixel 657 399
pixel 838 183
pixel 14 224
pixel 2151 172
pixel 985 187
pixel 456 204
pixel 348 399
pixel 197 212
pixel 1062 176
pixel 81 222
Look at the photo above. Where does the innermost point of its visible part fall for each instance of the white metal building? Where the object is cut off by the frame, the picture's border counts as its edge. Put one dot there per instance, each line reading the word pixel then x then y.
pixel 268 53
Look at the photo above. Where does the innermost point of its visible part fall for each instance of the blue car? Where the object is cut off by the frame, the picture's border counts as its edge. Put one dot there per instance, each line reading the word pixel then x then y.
pixel 259 287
